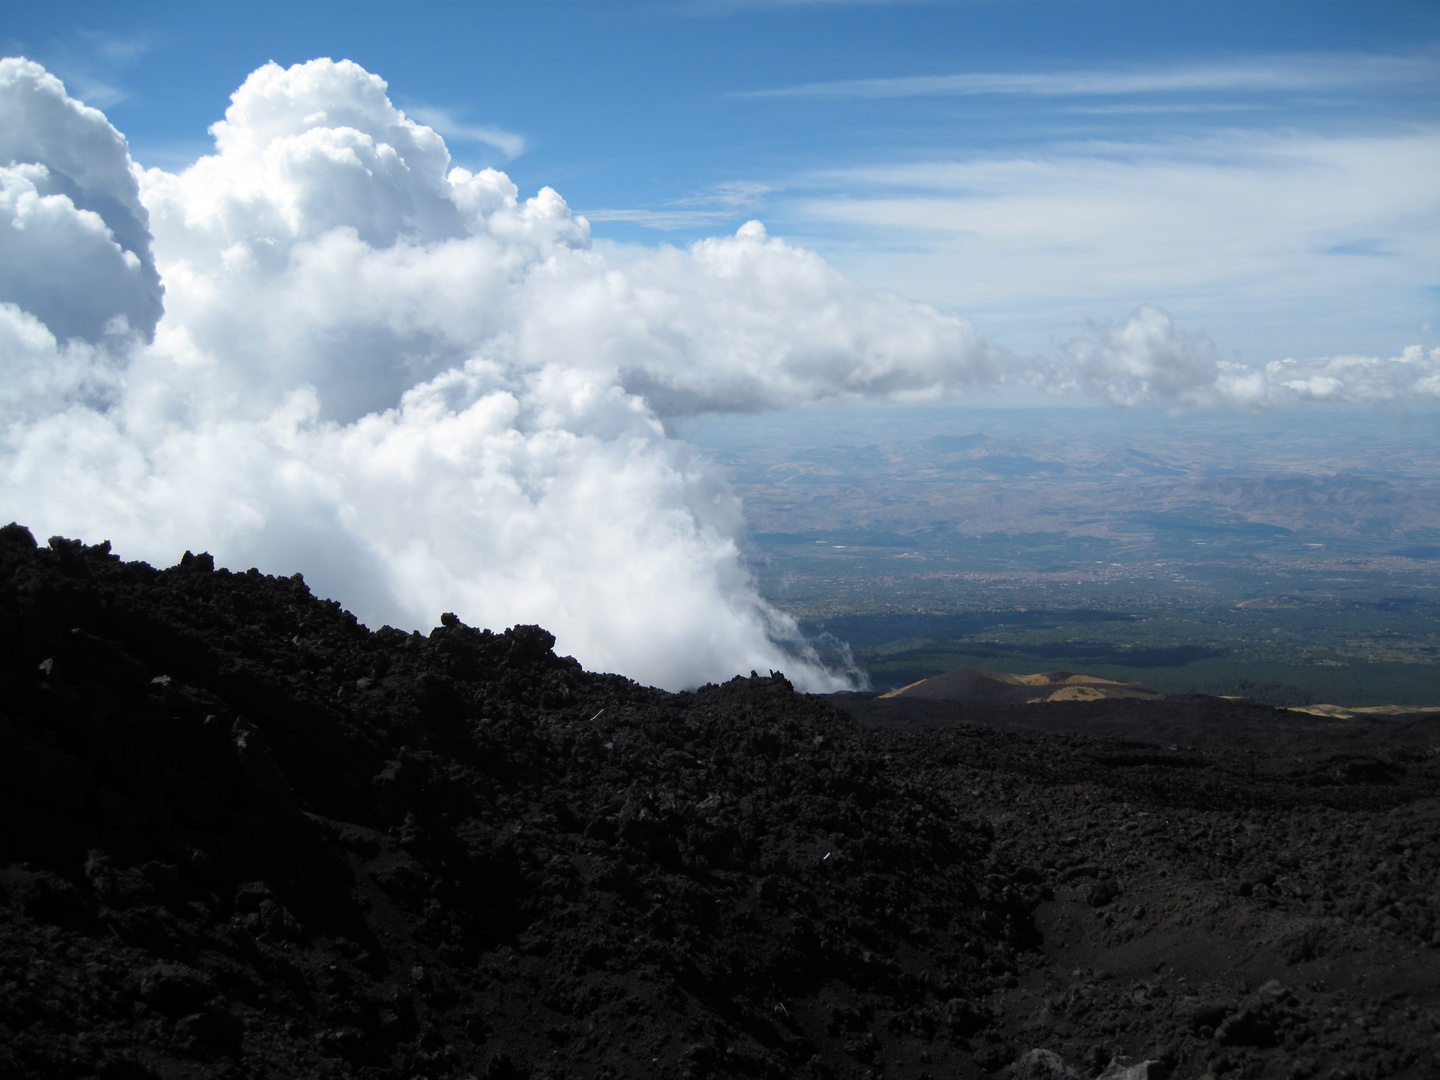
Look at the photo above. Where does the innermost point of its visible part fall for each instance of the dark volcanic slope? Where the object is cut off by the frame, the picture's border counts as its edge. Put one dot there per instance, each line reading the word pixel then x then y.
pixel 244 836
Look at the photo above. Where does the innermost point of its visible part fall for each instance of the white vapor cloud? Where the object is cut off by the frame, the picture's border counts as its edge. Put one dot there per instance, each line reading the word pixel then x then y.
pixel 1412 376
pixel 724 7
pixel 94 61
pixel 666 220
pixel 1264 74
pixel 509 143
pixel 1148 360
pixel 1246 231
pixel 74 237
pixel 722 204
pixel 425 391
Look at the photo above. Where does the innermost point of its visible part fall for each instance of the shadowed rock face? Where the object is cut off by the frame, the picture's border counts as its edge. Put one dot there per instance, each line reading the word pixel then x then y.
pixel 241 835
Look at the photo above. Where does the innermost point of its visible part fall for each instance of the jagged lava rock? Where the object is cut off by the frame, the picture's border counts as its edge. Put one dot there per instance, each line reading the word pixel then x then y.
pixel 244 835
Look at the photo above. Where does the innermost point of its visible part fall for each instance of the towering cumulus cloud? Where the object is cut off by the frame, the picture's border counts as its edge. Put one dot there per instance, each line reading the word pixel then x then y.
pixel 72 228
pixel 402 378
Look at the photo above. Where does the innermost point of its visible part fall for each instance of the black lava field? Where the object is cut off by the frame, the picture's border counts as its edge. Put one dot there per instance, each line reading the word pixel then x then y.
pixel 241 835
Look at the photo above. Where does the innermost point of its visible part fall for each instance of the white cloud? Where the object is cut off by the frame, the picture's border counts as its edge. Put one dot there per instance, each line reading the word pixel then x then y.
pixel 42 375
pixel 74 238
pixel 1148 360
pixel 509 143
pixel 665 220
pixel 93 61
pixel 1412 376
pixel 723 204
pixel 1137 108
pixel 124 50
pixel 431 394
pixel 725 7
pixel 1262 74
pixel 732 193
pixel 749 322
pixel 1249 233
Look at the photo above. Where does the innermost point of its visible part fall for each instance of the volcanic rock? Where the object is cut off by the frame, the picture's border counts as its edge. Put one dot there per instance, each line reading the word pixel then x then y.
pixel 1042 1065
pixel 242 835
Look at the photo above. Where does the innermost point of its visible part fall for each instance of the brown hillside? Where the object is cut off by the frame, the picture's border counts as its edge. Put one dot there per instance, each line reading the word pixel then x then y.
pixel 1002 688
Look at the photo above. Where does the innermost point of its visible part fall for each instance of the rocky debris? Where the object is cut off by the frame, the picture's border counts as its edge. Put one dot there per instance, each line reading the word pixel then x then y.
pixel 1042 1065
pixel 1121 1068
pixel 243 836
pixel 1047 1065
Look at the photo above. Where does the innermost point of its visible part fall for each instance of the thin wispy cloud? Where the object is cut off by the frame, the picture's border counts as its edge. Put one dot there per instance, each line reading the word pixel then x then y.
pixel 666 220
pixel 124 49
pixel 722 204
pixel 734 194
pixel 1224 149
pixel 1241 228
pixel 1312 72
pixel 509 143
pixel 1172 108
pixel 725 7
pixel 93 64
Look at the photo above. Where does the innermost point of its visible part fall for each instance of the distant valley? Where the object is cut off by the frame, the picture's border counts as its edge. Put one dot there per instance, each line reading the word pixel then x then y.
pixel 1292 558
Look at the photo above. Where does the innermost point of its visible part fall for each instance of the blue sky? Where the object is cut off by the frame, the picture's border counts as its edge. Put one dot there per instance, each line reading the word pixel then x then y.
pixel 1263 171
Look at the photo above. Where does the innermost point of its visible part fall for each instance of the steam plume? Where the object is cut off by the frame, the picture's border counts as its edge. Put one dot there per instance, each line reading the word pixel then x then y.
pixel 399 375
